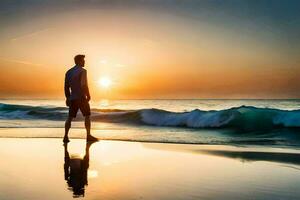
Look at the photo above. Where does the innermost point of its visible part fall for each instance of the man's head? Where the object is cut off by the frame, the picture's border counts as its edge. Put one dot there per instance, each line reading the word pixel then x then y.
pixel 79 60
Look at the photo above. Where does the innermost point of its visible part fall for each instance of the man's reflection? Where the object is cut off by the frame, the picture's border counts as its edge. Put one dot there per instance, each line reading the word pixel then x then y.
pixel 76 170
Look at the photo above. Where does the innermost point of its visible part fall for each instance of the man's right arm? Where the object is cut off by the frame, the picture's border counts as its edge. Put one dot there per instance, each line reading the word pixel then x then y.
pixel 84 85
pixel 67 88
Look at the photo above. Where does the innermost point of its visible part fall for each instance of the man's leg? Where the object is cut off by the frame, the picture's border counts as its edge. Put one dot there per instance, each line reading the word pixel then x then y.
pixel 67 128
pixel 87 123
pixel 86 112
pixel 73 109
pixel 89 137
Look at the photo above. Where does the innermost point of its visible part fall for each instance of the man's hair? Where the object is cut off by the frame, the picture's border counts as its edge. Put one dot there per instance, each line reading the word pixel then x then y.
pixel 78 58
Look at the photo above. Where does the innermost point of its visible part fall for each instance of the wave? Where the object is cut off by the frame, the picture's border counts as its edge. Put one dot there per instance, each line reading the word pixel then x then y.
pixel 246 118
pixel 11 111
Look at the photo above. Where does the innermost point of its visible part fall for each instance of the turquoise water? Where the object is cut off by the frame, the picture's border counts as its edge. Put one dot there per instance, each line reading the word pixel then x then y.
pixel 170 105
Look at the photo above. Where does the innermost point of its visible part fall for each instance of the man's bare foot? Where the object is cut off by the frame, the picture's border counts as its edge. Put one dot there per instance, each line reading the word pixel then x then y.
pixel 91 138
pixel 66 139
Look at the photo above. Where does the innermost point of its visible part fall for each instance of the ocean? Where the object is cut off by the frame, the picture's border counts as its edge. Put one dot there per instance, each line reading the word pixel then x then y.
pixel 209 121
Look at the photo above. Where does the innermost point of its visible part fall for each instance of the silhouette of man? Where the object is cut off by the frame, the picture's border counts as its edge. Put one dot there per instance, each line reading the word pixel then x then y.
pixel 76 171
pixel 77 96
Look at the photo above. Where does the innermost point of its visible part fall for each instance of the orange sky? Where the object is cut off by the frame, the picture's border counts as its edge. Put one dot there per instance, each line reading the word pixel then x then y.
pixel 147 53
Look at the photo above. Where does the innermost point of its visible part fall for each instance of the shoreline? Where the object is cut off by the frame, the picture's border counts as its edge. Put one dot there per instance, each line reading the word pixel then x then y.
pixel 76 133
pixel 126 134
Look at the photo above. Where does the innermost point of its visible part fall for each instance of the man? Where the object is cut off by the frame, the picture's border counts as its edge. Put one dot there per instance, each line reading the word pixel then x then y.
pixel 78 96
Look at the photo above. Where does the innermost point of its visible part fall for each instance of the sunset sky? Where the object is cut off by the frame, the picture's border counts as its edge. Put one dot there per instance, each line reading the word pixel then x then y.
pixel 146 49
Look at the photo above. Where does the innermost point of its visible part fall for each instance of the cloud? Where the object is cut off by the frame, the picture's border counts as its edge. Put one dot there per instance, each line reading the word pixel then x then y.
pixel 20 62
pixel 32 34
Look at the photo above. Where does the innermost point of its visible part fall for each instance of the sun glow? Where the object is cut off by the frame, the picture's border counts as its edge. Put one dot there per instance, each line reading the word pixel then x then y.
pixel 105 82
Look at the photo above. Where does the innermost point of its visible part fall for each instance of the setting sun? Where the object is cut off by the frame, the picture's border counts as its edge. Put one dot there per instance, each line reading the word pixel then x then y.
pixel 105 82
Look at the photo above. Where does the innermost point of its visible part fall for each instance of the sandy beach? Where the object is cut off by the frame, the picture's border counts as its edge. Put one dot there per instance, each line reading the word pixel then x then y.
pixel 43 168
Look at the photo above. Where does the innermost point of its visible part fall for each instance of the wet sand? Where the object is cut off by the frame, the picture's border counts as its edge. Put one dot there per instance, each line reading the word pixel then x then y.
pixel 43 168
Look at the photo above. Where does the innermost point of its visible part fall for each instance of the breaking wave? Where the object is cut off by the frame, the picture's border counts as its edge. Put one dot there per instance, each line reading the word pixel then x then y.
pixel 246 118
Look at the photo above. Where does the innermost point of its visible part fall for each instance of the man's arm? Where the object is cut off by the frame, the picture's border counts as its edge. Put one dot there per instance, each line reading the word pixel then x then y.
pixel 84 85
pixel 67 88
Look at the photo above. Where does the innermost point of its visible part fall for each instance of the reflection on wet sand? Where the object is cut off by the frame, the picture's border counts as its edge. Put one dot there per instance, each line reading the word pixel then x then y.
pixel 131 170
pixel 76 171
pixel 244 154
pixel 280 157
